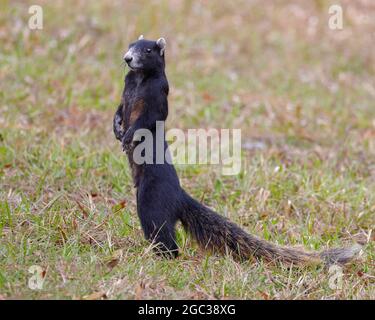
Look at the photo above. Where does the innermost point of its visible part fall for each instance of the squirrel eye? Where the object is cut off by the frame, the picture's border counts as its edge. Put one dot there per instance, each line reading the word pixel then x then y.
pixel 148 50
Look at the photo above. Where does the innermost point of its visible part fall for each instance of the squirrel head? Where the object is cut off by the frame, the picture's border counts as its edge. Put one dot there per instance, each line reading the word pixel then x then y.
pixel 146 55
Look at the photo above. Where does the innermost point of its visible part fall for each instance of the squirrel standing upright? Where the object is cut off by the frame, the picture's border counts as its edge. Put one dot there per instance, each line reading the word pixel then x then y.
pixel 161 201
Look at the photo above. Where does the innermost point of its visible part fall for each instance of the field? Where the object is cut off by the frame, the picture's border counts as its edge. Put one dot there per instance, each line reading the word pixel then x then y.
pixel 302 94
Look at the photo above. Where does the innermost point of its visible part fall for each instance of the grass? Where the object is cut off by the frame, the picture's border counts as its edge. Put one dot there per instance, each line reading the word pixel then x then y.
pixel 303 92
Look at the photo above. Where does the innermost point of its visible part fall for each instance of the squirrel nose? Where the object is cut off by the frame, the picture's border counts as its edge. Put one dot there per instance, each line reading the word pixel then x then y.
pixel 128 58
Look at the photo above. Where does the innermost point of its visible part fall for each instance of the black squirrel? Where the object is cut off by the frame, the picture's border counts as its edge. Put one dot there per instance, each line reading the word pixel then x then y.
pixel 161 201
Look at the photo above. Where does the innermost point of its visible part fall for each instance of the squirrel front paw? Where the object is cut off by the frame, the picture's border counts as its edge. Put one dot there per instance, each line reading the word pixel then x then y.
pixel 117 127
pixel 127 140
pixel 119 134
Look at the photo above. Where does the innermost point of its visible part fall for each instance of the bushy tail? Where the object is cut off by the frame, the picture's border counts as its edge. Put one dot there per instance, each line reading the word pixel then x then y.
pixel 215 232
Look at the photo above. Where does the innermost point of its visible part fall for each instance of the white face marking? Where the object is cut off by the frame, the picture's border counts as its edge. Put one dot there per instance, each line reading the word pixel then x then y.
pixel 128 54
pixel 134 56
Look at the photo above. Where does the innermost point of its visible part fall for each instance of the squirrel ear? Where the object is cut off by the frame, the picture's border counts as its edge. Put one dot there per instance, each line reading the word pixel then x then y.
pixel 141 37
pixel 161 43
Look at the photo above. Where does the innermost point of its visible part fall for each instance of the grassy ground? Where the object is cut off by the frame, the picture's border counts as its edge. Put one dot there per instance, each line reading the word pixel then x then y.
pixel 301 93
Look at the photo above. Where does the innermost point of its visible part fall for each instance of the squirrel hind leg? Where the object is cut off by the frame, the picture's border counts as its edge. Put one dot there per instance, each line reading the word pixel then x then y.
pixel 165 245
pixel 169 253
pixel 163 239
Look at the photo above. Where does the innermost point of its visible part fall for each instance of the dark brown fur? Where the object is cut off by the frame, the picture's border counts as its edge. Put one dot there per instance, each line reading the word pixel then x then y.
pixel 136 111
